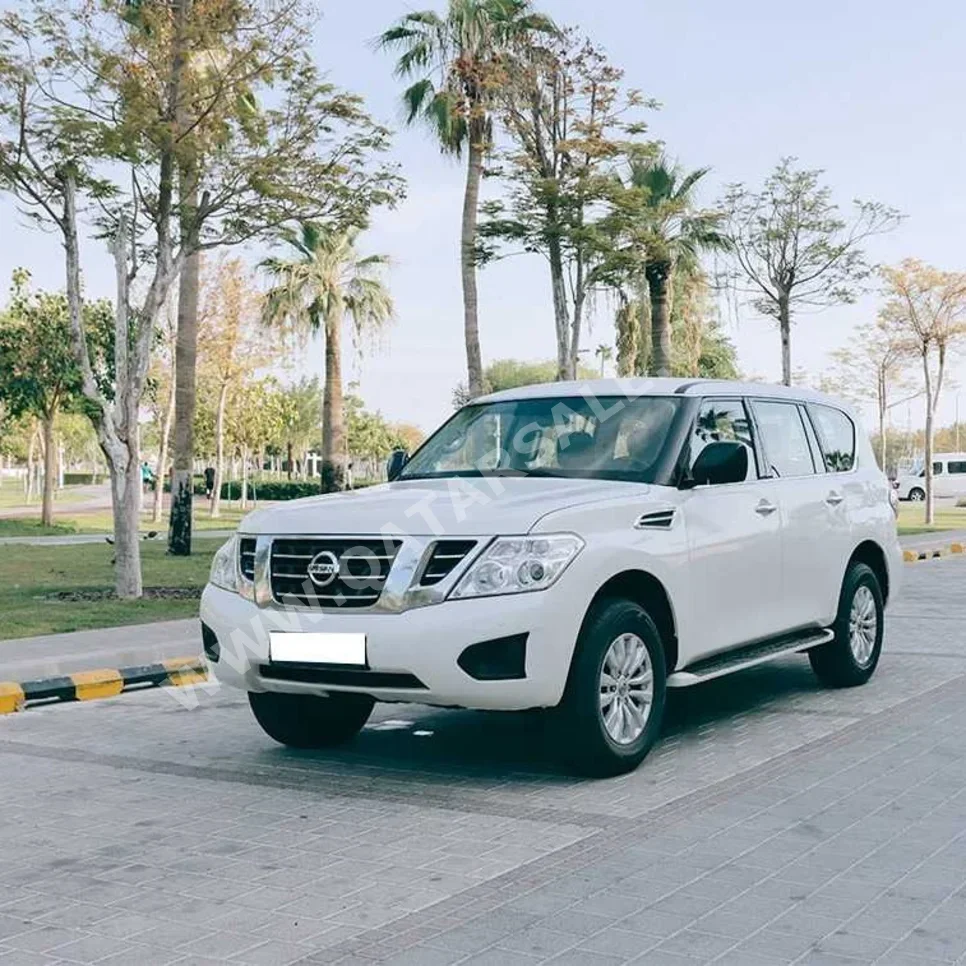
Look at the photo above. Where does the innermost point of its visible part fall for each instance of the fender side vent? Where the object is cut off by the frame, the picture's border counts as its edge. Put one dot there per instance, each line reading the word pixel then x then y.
pixel 656 520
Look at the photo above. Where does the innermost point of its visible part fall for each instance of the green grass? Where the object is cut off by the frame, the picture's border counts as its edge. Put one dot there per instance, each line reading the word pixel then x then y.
pixel 911 517
pixel 100 521
pixel 11 495
pixel 27 573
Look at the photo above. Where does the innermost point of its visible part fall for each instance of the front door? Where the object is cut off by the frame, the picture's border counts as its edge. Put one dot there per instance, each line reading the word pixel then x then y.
pixel 734 544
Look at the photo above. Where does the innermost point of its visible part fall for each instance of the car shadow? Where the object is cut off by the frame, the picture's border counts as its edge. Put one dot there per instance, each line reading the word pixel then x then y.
pixel 498 746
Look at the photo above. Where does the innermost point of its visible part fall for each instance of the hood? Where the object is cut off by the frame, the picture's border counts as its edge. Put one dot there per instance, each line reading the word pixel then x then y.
pixel 455 506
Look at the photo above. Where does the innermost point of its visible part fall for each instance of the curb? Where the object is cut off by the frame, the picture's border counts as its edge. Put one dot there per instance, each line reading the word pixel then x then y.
pixel 912 556
pixel 107 683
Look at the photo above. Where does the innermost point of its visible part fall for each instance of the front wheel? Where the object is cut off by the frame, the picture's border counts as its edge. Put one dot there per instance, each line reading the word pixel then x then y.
pixel 917 495
pixel 851 658
pixel 614 702
pixel 307 721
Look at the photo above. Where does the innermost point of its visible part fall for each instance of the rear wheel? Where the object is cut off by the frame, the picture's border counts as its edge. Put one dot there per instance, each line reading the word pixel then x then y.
pixel 614 702
pixel 307 721
pixel 917 494
pixel 851 658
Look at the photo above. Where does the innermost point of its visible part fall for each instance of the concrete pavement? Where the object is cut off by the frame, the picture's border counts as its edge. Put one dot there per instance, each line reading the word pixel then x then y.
pixel 776 822
pixel 30 658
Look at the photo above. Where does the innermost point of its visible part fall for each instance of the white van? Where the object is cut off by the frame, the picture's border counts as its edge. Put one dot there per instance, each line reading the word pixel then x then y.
pixel 576 546
pixel 948 479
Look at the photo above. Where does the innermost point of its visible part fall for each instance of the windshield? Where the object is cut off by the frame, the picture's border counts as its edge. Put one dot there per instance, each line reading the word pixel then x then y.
pixel 607 438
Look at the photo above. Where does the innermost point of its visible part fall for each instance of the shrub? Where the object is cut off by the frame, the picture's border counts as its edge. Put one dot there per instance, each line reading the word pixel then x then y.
pixel 271 489
pixel 79 479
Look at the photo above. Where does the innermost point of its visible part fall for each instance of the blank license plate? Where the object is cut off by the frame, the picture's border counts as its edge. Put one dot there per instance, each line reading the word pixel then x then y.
pixel 317 648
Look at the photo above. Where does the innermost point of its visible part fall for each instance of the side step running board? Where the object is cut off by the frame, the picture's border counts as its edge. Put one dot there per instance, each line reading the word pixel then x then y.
pixel 746 657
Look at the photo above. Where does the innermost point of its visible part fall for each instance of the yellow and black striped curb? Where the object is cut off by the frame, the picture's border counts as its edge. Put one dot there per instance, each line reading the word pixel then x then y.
pixel 106 683
pixel 946 550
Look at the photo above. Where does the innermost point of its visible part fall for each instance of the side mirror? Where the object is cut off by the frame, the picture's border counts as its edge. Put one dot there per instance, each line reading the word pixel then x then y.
pixel 396 462
pixel 720 463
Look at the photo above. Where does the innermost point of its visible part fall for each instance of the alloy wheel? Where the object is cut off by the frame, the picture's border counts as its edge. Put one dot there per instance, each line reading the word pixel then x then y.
pixel 626 688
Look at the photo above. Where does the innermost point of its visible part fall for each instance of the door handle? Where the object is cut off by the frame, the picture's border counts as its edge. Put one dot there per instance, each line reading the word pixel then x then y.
pixel 834 499
pixel 765 509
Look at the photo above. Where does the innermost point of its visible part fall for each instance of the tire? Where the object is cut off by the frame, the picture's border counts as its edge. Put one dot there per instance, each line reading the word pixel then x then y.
pixel 839 664
pixel 306 721
pixel 590 746
pixel 917 494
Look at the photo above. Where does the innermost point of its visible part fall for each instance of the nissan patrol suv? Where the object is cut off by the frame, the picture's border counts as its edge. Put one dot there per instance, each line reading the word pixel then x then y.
pixel 575 546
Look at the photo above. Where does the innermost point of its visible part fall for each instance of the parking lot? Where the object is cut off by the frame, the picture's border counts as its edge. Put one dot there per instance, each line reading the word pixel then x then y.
pixel 775 823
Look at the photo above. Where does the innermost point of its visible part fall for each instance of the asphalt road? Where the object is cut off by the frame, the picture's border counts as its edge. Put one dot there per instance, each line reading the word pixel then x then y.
pixel 776 822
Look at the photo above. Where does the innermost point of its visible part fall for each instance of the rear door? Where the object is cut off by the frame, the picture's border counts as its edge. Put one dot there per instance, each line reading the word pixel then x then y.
pixel 809 510
pixel 734 543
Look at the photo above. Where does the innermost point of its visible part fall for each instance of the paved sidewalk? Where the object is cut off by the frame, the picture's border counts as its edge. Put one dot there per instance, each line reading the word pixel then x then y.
pixel 925 541
pixel 776 822
pixel 54 654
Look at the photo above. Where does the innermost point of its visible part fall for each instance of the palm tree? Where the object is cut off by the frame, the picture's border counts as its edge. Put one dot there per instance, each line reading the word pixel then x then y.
pixel 669 231
pixel 458 64
pixel 326 281
pixel 605 353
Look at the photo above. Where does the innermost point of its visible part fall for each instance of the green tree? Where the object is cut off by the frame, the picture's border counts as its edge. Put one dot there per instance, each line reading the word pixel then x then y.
pixel 326 281
pixel 926 309
pixel 39 374
pixel 458 64
pixel 793 249
pixel 871 368
pixel 662 230
pixel 570 124
pixel 94 120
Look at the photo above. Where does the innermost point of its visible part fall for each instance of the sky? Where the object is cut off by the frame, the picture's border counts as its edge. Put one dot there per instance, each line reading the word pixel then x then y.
pixel 871 91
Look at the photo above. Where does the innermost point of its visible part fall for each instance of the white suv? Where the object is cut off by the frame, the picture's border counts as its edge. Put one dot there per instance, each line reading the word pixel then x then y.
pixel 576 546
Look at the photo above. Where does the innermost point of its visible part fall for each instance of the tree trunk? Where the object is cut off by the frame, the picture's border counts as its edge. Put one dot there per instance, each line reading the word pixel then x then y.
pixel 290 457
pixel 333 411
pixel 785 327
pixel 930 514
pixel 244 480
pixel 625 323
pixel 125 499
pixel 471 325
pixel 186 351
pixel 658 280
pixel 883 407
pixel 50 469
pixel 219 450
pixel 162 467
pixel 561 316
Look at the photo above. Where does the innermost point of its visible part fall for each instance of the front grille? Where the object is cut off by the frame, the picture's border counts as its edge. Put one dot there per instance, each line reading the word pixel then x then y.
pixel 446 555
pixel 246 557
pixel 363 566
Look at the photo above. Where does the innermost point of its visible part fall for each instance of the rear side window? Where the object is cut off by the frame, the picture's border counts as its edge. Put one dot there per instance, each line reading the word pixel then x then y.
pixel 783 439
pixel 957 466
pixel 837 434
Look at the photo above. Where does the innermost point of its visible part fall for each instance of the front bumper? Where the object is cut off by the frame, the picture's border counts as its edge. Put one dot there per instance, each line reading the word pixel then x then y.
pixel 425 642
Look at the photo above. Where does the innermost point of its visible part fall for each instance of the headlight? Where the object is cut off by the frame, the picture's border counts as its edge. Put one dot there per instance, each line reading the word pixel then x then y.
pixel 224 568
pixel 517 565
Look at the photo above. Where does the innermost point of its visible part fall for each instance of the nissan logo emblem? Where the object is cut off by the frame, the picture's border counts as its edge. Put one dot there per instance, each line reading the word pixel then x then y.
pixel 324 568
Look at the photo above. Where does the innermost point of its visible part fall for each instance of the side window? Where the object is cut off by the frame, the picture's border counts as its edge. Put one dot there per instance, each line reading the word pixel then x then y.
pixel 937 468
pixel 957 466
pixel 837 433
pixel 723 421
pixel 783 439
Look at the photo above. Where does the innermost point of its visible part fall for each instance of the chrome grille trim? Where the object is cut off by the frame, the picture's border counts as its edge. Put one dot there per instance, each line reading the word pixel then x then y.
pixel 350 588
